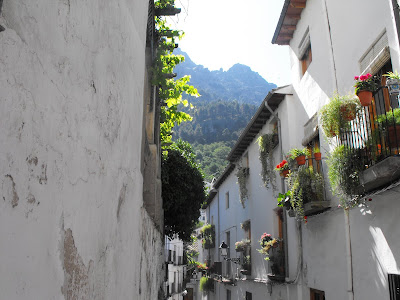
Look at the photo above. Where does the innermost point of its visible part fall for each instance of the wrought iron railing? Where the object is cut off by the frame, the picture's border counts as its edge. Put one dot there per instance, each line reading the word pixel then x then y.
pixel 375 132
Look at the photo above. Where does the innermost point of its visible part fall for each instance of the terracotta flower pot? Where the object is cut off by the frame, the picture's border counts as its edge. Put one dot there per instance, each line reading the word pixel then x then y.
pixel 301 160
pixel 365 97
pixel 317 156
pixel 284 173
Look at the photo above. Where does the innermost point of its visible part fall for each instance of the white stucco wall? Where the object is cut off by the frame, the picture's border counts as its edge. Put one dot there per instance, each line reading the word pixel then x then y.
pixel 71 113
pixel 354 26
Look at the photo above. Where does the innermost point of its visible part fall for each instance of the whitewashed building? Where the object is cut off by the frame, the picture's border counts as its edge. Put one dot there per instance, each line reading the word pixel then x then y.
pixel 337 253
pixel 81 212
pixel 176 268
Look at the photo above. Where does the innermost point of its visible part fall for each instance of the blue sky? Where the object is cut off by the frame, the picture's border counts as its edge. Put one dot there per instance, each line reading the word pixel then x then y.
pixel 220 33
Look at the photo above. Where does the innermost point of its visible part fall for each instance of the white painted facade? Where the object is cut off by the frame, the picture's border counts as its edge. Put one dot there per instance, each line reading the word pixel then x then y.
pixel 72 99
pixel 176 269
pixel 345 254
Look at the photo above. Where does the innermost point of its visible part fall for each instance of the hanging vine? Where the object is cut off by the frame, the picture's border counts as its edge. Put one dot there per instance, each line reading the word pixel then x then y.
pixel 170 90
pixel 242 175
pixel 266 145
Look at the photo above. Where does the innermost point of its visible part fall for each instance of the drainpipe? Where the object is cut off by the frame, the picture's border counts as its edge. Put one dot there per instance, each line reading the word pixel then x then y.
pixel 396 14
pixel 330 40
pixel 219 232
pixel 349 256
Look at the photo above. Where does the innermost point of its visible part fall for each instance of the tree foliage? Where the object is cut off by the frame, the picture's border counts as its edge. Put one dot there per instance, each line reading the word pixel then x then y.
pixel 182 190
pixel 170 90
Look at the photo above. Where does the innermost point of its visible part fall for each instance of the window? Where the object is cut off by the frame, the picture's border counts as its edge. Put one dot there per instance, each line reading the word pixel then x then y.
pixel 226 200
pixel 306 60
pixel 305 54
pixel 249 296
pixel 228 295
pixel 317 295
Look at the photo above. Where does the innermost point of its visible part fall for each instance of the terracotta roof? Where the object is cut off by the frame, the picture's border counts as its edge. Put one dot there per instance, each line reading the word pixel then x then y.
pixel 290 15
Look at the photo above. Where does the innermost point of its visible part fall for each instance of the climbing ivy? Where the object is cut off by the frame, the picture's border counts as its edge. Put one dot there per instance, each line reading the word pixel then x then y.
pixel 170 90
pixel 266 145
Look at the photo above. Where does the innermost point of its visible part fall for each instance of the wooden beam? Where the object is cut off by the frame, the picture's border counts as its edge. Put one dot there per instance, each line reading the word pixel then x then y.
pixel 297 4
pixel 286 35
pixel 289 27
pixel 293 16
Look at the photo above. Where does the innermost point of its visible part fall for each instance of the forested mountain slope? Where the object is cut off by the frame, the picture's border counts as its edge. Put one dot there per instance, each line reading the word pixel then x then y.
pixel 228 101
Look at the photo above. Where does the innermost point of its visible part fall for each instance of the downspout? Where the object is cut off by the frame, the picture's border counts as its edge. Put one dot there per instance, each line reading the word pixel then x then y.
pixel 330 40
pixel 349 256
pixel 396 13
pixel 219 232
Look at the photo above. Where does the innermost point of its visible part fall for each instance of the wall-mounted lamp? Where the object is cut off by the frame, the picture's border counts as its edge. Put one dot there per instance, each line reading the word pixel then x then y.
pixel 224 253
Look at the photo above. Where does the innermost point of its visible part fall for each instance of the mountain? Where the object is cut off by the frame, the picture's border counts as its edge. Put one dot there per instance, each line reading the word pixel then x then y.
pixel 238 83
pixel 228 101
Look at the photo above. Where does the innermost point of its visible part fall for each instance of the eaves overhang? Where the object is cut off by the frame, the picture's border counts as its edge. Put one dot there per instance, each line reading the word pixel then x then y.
pixel 227 171
pixel 287 23
pixel 257 122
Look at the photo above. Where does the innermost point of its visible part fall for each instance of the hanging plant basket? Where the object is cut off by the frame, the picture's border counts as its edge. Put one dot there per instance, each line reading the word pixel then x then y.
pixel 301 160
pixel 284 173
pixel 317 156
pixel 348 111
pixel 365 97
pixel 393 85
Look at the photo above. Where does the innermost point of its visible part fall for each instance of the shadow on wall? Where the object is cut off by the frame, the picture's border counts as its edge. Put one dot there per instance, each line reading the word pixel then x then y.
pixel 377 232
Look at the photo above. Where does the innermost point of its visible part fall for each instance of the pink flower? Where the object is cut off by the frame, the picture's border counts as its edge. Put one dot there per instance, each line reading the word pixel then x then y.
pixel 369 75
pixel 356 77
pixel 363 77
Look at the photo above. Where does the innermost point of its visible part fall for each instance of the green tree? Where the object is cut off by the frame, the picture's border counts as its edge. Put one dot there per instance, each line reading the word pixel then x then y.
pixel 170 90
pixel 183 190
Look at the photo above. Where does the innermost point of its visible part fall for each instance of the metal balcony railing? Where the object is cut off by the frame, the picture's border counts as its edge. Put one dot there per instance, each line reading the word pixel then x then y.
pixel 374 133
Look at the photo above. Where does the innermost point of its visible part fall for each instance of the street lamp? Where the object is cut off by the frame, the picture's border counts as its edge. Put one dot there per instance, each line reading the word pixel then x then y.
pixel 224 253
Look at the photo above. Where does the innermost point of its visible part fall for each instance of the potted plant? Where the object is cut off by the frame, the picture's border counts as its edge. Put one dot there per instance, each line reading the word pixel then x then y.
pixel 393 82
pixel 284 200
pixel 349 108
pixel 283 168
pixel 345 164
pixel 305 186
pixel 317 153
pixel 365 85
pixel 336 114
pixel 245 225
pixel 242 245
pixel 206 284
pixel 208 235
pixel 267 243
pixel 300 155
pixel 246 265
pixel 390 123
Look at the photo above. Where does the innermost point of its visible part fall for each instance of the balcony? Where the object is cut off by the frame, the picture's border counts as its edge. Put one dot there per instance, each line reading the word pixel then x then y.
pixel 374 138
pixel 208 236
pixel 306 189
